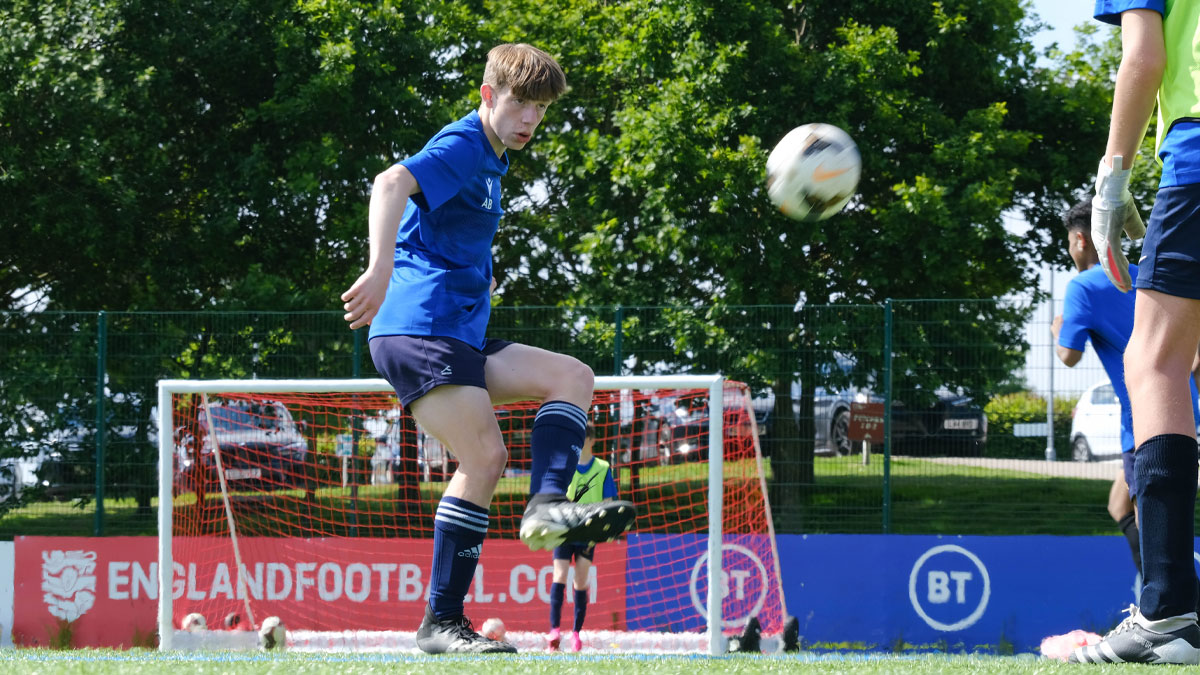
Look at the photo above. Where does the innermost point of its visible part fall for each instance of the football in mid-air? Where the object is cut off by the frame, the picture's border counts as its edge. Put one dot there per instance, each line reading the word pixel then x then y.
pixel 493 629
pixel 813 172
pixel 194 622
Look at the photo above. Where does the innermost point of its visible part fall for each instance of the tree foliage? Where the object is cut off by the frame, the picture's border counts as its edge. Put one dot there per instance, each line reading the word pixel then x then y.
pixel 184 155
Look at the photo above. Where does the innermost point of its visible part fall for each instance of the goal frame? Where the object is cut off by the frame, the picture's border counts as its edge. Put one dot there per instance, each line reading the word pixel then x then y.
pixel 715 384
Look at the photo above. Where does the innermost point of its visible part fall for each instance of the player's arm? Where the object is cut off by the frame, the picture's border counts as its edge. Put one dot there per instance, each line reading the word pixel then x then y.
pixel 389 197
pixel 1143 59
pixel 1068 356
pixel 610 485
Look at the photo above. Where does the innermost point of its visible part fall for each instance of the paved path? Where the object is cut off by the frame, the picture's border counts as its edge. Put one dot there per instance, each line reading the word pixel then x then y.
pixel 1106 470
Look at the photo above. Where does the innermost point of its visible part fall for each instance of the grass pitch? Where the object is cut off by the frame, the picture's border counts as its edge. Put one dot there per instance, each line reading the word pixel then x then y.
pixel 137 662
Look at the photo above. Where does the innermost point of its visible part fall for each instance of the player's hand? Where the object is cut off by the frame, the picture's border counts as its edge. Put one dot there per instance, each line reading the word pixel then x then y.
pixel 364 298
pixel 1113 211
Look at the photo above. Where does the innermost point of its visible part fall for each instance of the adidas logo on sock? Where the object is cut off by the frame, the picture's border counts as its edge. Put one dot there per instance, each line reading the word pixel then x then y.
pixel 472 552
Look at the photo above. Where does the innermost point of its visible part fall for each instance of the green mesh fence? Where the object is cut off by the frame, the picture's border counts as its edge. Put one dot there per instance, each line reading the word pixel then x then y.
pixel 961 385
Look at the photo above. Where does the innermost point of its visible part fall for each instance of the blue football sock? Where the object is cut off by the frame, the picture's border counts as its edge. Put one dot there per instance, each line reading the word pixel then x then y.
pixel 459 529
pixel 1166 487
pixel 581 601
pixel 557 438
pixel 556 603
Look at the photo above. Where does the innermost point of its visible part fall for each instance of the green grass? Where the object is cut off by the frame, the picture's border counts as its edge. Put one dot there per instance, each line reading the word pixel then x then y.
pixel 846 497
pixel 137 662
pixel 933 498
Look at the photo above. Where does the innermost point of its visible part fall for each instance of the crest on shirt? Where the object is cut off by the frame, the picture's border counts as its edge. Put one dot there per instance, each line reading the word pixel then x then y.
pixel 487 201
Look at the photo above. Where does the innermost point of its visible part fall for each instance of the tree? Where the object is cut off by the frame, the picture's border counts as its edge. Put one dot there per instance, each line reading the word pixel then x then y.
pixel 195 155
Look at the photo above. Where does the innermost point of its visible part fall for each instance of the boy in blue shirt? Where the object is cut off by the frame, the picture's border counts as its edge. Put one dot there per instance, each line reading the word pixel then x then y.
pixel 426 295
pixel 1095 310
pixel 1160 41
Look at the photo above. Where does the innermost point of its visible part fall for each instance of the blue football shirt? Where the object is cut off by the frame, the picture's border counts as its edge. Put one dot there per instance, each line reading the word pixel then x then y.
pixel 443 262
pixel 1094 309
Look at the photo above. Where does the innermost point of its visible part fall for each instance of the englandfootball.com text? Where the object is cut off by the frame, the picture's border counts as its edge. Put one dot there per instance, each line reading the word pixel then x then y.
pixel 325 582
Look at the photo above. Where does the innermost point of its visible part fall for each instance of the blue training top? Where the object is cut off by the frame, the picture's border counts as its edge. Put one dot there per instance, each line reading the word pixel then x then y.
pixel 443 261
pixel 1095 309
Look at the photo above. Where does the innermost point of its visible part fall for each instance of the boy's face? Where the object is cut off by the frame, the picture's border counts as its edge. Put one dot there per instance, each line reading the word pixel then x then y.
pixel 512 119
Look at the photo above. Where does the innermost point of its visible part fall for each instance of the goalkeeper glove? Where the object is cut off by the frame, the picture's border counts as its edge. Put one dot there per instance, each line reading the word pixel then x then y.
pixel 1113 210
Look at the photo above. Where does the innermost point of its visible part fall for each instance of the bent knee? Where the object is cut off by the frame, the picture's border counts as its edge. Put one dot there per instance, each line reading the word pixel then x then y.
pixel 569 380
pixel 486 461
pixel 583 374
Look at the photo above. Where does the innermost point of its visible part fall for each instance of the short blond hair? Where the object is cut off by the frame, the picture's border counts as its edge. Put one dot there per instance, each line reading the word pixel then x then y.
pixel 530 72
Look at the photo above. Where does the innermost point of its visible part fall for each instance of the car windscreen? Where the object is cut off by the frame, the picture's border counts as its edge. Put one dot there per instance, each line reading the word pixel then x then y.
pixel 234 419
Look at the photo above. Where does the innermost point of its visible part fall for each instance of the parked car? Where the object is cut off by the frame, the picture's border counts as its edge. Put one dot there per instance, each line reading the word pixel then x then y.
pixel 683 424
pixel 953 425
pixel 1096 424
pixel 831 418
pixel 61 463
pixel 16 475
pixel 261 447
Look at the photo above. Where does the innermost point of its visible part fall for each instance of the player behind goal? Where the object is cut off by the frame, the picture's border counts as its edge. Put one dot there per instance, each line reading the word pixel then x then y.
pixel 426 295
pixel 592 482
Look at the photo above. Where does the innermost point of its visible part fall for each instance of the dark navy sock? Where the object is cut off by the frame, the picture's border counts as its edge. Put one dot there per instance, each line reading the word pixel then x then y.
pixel 459 529
pixel 556 603
pixel 1129 528
pixel 555 442
pixel 581 600
pixel 1166 486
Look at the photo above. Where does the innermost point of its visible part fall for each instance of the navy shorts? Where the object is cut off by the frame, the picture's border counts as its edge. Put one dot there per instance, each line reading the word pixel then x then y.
pixel 1170 261
pixel 415 364
pixel 1127 465
pixel 576 551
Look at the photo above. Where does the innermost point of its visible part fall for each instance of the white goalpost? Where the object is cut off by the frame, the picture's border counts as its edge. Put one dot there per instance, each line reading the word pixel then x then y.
pixel 271 503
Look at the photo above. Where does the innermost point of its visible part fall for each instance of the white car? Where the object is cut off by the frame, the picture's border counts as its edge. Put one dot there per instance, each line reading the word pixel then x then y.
pixel 1096 424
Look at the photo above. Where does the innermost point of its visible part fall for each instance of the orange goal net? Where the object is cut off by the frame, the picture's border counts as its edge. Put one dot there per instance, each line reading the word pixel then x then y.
pixel 313 501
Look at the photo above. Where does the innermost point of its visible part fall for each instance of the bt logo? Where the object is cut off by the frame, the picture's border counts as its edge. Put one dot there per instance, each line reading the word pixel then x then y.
pixel 744 585
pixel 949 587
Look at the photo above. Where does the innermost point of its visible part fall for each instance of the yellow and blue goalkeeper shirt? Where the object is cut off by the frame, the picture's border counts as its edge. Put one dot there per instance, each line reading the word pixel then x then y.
pixel 592 482
pixel 1178 143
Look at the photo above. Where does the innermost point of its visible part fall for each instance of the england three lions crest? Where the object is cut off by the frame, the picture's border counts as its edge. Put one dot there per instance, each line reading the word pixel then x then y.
pixel 69 582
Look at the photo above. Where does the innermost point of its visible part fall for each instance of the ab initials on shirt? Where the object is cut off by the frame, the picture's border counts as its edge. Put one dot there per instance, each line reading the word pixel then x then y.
pixel 487 202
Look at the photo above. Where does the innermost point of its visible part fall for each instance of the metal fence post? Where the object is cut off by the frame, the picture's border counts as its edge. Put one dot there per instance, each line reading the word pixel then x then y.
pixel 887 416
pixel 619 321
pixel 1051 454
pixel 356 369
pixel 101 368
